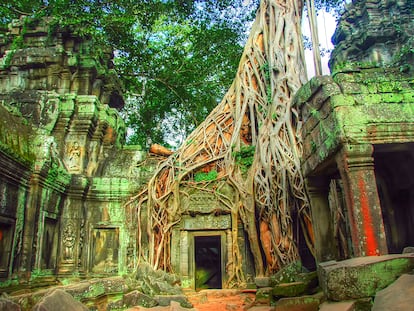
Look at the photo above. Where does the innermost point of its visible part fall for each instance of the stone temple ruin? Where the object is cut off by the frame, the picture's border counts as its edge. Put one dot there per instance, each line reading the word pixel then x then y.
pixel 66 173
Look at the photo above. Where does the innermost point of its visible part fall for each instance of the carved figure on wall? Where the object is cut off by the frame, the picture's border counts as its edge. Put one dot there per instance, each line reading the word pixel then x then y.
pixel 74 156
pixel 68 241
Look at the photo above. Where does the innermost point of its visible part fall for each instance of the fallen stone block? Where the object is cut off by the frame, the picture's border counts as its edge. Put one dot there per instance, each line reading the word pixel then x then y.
pixel 398 296
pixel 262 281
pixel 165 300
pixel 302 303
pixel 8 305
pixel 174 306
pixel 338 306
pixel 287 274
pixel 289 289
pixel 362 277
pixel 408 250
pixel 59 300
pixel 136 298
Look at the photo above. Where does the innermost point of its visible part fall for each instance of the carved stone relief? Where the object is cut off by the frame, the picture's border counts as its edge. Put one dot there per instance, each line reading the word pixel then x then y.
pixel 204 222
pixel 69 239
pixel 73 157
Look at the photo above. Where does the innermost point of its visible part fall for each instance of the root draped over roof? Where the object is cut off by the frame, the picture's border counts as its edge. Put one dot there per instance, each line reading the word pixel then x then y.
pixel 251 143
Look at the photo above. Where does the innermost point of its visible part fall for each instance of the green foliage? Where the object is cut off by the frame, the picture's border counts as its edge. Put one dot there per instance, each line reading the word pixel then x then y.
pixel 244 157
pixel 185 69
pixel 202 177
pixel 38 273
pixel 176 59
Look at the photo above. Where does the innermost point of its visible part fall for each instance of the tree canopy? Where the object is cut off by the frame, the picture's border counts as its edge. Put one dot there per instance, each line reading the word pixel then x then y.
pixel 175 58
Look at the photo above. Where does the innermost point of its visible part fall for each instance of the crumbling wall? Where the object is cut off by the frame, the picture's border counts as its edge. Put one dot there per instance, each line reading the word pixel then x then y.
pixel 356 121
pixel 65 173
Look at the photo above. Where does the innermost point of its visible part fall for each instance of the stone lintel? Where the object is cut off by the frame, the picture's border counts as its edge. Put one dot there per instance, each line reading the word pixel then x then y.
pixel 206 222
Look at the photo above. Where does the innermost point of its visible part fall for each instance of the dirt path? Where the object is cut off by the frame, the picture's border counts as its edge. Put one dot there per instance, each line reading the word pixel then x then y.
pixel 215 300
pixel 224 300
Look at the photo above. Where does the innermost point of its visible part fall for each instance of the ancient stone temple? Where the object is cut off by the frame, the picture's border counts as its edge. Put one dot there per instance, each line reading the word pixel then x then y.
pixel 359 135
pixel 65 173
pixel 66 176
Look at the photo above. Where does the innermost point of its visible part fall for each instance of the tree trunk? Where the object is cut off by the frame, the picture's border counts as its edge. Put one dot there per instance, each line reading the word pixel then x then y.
pixel 251 141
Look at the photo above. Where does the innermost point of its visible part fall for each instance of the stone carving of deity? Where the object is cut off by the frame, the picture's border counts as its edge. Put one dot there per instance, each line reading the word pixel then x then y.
pixel 74 156
pixel 68 241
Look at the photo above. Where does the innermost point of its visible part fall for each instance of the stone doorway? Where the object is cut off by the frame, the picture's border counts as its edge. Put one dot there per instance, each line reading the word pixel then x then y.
pixel 207 262
pixel 6 239
pixel 394 167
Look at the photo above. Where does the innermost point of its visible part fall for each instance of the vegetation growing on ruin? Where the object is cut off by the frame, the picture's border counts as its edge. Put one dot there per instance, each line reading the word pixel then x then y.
pixel 176 58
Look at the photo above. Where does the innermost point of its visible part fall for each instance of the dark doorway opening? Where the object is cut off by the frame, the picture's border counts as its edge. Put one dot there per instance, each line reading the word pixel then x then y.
pixel 207 262
pixel 394 167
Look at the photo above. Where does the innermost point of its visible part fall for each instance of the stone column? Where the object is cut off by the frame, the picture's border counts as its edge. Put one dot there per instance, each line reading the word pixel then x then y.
pixel 356 166
pixel 31 214
pixel 322 222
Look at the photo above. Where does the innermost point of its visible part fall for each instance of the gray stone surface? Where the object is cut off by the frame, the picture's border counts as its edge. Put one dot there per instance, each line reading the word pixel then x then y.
pixel 398 296
pixel 59 300
pixel 8 305
pixel 289 289
pixel 166 300
pixel 302 303
pixel 174 306
pixel 362 277
pixel 262 281
pixel 136 298
pixel 408 250
pixel 337 306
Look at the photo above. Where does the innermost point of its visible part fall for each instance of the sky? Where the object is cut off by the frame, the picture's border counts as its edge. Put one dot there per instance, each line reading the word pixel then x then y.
pixel 326 28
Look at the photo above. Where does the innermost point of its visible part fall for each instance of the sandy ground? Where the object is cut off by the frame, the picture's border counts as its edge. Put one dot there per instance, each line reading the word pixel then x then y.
pixel 215 300
pixel 224 300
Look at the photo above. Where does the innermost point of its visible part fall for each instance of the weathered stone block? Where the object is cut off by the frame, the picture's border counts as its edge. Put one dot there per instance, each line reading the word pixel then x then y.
pixel 59 300
pixel 287 274
pixel 337 306
pixel 289 289
pixel 8 305
pixel 363 276
pixel 165 300
pixel 262 281
pixel 136 298
pixel 397 296
pixel 303 303
pixel 408 250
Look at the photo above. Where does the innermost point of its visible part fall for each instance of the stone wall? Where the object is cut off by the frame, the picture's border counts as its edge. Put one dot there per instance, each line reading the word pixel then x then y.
pixel 65 173
pixel 359 134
